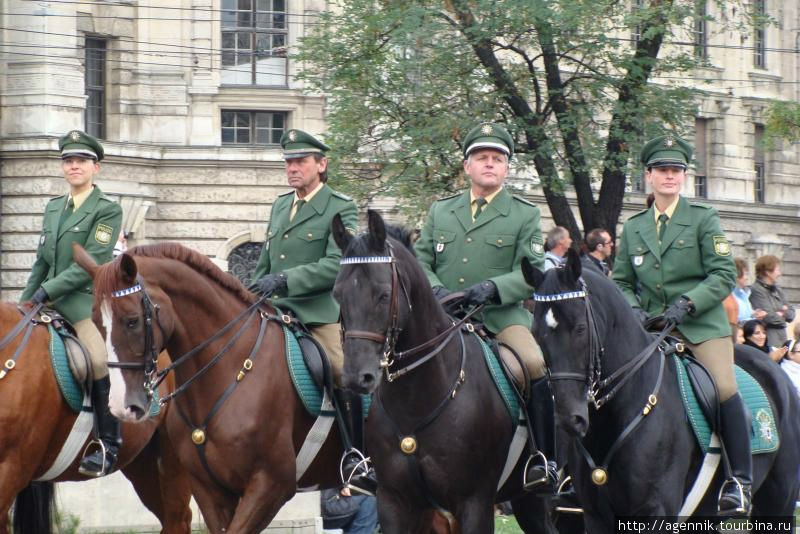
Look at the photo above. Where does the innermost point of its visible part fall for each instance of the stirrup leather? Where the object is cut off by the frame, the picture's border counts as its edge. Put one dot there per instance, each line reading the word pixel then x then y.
pixel 103 450
pixel 739 488
pixel 530 484
pixel 361 468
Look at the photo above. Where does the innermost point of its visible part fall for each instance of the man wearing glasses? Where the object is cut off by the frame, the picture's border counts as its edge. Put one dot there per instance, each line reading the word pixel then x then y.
pixel 599 247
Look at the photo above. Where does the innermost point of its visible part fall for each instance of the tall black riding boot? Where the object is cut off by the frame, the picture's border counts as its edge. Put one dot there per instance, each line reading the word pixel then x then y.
pixel 101 461
pixel 734 496
pixel 356 468
pixel 541 471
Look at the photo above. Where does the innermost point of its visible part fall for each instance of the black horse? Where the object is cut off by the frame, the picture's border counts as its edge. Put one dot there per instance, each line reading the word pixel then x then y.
pixel 438 435
pixel 588 334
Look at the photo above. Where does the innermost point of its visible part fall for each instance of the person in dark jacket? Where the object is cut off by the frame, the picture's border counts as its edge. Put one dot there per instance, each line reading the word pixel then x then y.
pixel 765 294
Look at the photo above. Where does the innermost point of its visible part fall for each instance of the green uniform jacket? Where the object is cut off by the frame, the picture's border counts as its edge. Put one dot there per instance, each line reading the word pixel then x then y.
pixel 456 252
pixel 694 260
pixel 95 226
pixel 305 251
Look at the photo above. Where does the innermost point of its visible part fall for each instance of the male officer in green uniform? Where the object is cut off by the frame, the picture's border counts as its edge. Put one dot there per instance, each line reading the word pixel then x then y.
pixel 88 217
pixel 474 241
pixel 299 264
pixel 678 256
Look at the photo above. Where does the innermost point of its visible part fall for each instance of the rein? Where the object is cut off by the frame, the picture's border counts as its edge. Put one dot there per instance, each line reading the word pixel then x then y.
pixel 25 323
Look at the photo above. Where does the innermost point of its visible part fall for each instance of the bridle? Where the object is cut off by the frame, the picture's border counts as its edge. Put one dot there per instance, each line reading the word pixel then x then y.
pixel 389 354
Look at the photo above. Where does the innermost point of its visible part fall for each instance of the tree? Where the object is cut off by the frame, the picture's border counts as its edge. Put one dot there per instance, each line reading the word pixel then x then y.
pixel 406 79
pixel 783 122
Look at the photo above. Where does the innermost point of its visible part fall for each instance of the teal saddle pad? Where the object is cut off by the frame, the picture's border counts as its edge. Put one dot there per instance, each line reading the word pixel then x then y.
pixel 70 389
pixel 307 389
pixel 763 431
pixel 504 387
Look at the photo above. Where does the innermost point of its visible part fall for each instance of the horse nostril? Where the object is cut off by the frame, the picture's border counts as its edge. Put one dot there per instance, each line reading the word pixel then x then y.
pixel 367 379
pixel 136 411
pixel 579 424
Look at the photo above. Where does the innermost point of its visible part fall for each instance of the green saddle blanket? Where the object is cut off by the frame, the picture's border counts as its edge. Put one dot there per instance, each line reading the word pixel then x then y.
pixel 763 432
pixel 71 390
pixel 504 387
pixel 308 391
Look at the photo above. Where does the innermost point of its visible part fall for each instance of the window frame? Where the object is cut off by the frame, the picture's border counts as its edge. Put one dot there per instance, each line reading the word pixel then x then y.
pixel 760 35
pixel 100 53
pixel 253 127
pixel 275 30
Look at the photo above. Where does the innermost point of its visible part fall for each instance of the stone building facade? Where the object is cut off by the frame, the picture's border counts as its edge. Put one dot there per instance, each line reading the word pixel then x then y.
pixel 191 97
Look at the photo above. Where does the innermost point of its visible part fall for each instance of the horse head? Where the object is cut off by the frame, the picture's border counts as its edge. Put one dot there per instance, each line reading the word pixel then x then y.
pixel 562 327
pixel 372 292
pixel 136 322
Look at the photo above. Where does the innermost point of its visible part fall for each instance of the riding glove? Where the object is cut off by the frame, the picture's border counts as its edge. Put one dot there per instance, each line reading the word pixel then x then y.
pixel 40 296
pixel 677 311
pixel 270 284
pixel 483 293
pixel 440 292
pixel 641 315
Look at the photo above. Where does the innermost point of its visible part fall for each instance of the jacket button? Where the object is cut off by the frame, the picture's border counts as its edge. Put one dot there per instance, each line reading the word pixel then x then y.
pixel 680 241
pixel 657 265
pixel 460 280
pixel 465 260
pixel 499 241
pixel 283 256
pixel 286 236
pixel 441 238
pixel 469 240
pixel 310 234
pixel 658 286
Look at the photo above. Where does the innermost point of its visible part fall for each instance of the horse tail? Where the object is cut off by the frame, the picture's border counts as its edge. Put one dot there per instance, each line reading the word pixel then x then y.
pixel 33 509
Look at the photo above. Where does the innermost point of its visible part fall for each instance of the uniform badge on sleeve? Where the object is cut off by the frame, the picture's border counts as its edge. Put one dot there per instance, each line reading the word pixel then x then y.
pixel 721 246
pixel 638 260
pixel 536 247
pixel 41 239
pixel 103 234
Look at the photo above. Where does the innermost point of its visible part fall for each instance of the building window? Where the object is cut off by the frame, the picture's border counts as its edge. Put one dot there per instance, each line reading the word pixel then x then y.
pixel 254 38
pixel 242 261
pixel 700 30
pixel 759 38
pixel 701 165
pixel 759 188
pixel 637 30
pixel 95 83
pixel 253 127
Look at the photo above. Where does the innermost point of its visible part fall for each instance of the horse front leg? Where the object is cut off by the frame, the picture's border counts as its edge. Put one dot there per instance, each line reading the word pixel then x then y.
pixel 216 506
pixel 397 515
pixel 263 496
pixel 476 514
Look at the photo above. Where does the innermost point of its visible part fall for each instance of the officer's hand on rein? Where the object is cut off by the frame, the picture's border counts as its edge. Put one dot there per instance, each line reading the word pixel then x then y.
pixel 270 284
pixel 678 311
pixel 641 315
pixel 482 293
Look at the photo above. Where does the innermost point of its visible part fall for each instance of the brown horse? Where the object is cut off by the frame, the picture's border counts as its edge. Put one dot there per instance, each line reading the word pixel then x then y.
pixel 236 420
pixel 36 422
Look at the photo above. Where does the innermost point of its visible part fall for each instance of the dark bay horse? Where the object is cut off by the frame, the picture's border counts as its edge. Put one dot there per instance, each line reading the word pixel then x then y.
pixel 588 332
pixel 236 419
pixel 36 422
pixel 438 435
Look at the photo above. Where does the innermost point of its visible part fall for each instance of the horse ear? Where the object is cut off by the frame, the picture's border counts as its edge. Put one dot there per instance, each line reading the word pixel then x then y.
pixel 84 259
pixel 341 235
pixel 574 265
pixel 128 268
pixel 532 275
pixel 377 230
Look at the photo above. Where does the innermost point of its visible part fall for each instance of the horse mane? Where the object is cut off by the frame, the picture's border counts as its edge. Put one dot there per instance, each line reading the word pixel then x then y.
pixel 361 244
pixel 105 280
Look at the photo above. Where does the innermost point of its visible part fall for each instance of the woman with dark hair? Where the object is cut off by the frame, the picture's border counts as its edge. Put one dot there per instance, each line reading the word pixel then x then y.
pixel 755 335
pixel 766 295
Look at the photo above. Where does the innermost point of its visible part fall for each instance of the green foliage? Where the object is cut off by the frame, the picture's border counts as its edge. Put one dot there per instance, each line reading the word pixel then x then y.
pixel 783 122
pixel 506 524
pixel 66 523
pixel 407 79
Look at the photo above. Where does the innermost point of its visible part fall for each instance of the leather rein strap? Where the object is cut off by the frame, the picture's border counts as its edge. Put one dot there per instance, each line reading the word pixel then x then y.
pixel 27 323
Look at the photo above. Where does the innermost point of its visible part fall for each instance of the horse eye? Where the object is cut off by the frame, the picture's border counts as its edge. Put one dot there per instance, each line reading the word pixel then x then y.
pixel 384 296
pixel 131 322
pixel 580 328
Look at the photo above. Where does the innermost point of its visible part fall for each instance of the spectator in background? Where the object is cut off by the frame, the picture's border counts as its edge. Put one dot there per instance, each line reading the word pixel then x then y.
pixel 354 514
pixel 766 295
pixel 599 247
pixel 557 243
pixel 121 245
pixel 742 293
pixel 791 365
pixel 732 312
pixel 755 335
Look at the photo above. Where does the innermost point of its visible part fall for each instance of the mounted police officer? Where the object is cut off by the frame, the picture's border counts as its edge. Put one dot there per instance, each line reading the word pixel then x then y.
pixel 678 257
pixel 474 242
pixel 87 217
pixel 299 264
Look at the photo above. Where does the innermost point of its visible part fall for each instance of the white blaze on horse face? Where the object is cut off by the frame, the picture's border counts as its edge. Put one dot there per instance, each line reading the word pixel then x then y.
pixel 550 319
pixel 116 398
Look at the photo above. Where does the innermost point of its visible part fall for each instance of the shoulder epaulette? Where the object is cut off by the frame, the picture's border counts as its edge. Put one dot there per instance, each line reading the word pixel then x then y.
pixel 340 195
pixel 290 192
pixel 449 197
pixel 524 200
pixel 638 213
pixel 56 198
pixel 700 205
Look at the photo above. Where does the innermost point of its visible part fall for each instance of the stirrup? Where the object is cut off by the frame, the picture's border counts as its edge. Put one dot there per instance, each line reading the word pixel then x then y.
pixel 530 485
pixel 565 499
pixel 103 452
pixel 360 469
pixel 740 509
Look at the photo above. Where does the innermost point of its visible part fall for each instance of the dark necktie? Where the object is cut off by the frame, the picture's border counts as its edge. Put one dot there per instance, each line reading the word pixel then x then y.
pixel 298 206
pixel 480 203
pixel 66 213
pixel 662 219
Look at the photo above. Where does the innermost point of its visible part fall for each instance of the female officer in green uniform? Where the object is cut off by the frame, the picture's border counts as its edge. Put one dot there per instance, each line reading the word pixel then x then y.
pixel 87 217
pixel 677 256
